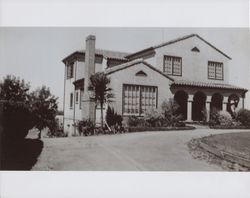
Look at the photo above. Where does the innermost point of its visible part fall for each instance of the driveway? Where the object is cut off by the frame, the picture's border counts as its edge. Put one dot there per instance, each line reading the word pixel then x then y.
pixel 144 151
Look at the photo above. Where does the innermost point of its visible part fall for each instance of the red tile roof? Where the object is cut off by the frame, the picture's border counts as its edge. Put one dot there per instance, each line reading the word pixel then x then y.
pixel 131 63
pixel 105 53
pixel 177 40
pixel 206 85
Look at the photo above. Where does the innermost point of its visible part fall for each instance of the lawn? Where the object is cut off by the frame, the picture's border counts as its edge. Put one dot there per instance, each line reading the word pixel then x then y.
pixel 234 143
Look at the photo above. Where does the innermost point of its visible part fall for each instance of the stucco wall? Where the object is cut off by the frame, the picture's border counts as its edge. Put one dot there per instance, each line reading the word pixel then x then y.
pixel 127 76
pixel 194 64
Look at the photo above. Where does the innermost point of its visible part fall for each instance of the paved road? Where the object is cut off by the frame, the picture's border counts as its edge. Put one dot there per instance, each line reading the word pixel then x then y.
pixel 144 151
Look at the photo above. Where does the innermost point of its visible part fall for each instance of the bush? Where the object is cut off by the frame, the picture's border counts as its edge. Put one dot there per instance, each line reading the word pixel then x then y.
pixel 243 116
pixel 214 117
pixel 170 113
pixel 134 121
pixel 225 118
pixel 17 120
pixel 86 127
pixel 113 118
pixel 153 117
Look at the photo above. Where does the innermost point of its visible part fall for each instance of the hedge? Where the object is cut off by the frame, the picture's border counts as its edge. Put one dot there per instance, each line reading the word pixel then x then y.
pixel 141 129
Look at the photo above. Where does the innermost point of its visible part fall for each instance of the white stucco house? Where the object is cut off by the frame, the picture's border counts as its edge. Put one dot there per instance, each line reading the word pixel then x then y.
pixel 189 69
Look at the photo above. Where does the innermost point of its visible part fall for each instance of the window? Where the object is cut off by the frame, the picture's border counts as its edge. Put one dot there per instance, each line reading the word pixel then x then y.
pixel 137 99
pixel 172 65
pixel 76 97
pixel 81 96
pixel 215 70
pixel 70 70
pixel 71 100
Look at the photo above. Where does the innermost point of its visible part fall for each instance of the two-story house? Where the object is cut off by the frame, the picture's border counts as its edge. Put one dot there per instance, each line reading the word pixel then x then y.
pixel 189 69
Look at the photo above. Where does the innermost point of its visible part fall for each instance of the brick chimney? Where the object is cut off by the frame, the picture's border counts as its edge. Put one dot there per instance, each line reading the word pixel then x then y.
pixel 88 110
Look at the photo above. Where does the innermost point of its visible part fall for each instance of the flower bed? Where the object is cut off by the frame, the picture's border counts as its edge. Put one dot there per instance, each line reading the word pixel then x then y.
pixel 142 129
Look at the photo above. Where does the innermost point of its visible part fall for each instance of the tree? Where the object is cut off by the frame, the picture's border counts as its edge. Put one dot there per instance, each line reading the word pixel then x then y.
pixel 44 106
pixel 17 119
pixel 102 93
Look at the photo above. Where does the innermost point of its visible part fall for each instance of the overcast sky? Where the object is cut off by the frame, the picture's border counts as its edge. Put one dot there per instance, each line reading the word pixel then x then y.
pixel 35 54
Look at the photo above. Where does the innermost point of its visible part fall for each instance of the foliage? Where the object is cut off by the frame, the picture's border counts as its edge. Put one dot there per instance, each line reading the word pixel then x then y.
pixel 44 106
pixel 112 118
pixel 17 109
pixel 170 115
pixel 134 121
pixel 225 119
pixel 24 110
pixel 214 117
pixel 153 117
pixel 243 116
pixel 86 127
pixel 102 93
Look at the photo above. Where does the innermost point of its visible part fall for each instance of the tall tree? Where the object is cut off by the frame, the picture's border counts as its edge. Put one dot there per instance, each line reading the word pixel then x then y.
pixel 44 106
pixel 102 93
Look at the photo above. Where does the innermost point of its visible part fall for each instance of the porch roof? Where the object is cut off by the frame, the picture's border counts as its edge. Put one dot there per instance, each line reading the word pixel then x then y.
pixel 206 85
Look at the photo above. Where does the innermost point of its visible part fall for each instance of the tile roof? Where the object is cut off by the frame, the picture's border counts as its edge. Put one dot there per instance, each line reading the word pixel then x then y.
pixel 177 40
pixel 205 85
pixel 105 53
pixel 131 63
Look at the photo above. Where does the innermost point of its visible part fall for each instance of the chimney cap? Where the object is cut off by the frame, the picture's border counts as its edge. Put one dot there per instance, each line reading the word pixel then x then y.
pixel 90 37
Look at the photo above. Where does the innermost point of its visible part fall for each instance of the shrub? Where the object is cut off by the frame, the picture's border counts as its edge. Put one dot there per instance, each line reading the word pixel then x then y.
pixel 86 127
pixel 214 117
pixel 153 117
pixel 113 118
pixel 243 116
pixel 170 113
pixel 134 121
pixel 225 119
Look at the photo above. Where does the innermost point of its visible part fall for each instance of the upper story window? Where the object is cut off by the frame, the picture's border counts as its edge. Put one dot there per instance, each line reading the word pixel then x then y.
pixel 70 70
pixel 137 99
pixel 215 70
pixel 71 100
pixel 172 65
pixel 76 97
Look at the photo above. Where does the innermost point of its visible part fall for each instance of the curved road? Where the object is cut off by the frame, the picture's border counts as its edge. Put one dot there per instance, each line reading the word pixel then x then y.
pixel 143 151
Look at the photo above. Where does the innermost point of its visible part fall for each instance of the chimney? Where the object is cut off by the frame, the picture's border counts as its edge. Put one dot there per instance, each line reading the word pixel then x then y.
pixel 88 105
pixel 89 59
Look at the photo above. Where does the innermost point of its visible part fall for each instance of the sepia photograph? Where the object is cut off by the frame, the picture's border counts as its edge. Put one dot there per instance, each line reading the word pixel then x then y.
pixel 124 99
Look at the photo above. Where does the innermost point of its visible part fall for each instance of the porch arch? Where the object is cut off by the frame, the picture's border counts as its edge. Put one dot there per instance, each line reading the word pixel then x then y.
pixel 216 101
pixel 181 98
pixel 199 104
pixel 233 102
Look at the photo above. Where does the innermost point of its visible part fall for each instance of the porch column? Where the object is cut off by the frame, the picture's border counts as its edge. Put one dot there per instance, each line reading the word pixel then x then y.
pixel 224 104
pixel 189 108
pixel 240 103
pixel 208 102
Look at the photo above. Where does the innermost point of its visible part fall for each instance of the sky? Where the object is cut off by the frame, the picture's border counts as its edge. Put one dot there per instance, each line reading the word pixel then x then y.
pixel 35 53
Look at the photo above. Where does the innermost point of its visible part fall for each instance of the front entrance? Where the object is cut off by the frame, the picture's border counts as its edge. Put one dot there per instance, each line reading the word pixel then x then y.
pixel 198 106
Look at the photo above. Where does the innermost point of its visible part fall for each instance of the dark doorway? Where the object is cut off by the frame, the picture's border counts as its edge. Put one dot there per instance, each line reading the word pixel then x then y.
pixel 199 104
pixel 216 102
pixel 181 98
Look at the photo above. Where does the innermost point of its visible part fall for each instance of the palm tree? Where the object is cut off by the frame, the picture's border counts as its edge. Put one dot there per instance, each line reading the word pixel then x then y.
pixel 102 93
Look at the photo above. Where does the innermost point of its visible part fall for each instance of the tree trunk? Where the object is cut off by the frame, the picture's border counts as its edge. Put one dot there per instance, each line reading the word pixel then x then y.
pixel 39 134
pixel 102 116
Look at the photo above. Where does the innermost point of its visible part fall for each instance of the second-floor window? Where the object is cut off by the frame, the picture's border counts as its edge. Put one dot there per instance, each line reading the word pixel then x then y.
pixel 172 65
pixel 215 70
pixel 76 97
pixel 71 100
pixel 70 70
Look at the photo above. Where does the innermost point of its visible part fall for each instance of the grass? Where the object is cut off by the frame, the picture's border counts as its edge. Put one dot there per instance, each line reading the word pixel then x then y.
pixel 234 143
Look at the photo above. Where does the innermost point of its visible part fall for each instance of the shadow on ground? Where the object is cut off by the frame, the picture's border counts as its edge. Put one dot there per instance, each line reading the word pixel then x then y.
pixel 20 155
